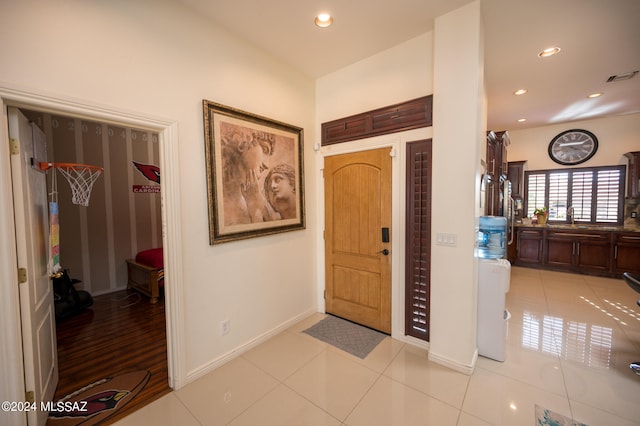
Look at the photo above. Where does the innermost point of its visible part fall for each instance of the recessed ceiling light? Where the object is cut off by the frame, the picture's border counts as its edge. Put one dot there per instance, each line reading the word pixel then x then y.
pixel 323 20
pixel 550 51
pixel 595 95
pixel 522 120
pixel 520 92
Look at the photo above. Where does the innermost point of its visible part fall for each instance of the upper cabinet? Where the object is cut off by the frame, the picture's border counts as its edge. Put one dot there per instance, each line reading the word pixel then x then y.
pixel 633 174
pixel 515 175
pixel 497 170
pixel 394 118
pixel 497 143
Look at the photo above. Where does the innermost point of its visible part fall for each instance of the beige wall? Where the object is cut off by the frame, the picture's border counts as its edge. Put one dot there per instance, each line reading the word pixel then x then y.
pixel 96 240
pixel 161 60
pixel 616 136
pixel 157 59
pixel 405 72
pixel 395 75
pixel 459 130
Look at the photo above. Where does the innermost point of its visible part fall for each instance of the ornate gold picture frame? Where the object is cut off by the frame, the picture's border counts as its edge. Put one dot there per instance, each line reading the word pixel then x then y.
pixel 255 174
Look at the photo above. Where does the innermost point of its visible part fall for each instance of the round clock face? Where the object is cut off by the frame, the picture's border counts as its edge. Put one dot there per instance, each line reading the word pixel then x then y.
pixel 573 147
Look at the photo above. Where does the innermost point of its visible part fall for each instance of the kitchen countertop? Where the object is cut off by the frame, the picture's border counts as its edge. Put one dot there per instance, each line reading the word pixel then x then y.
pixel 581 227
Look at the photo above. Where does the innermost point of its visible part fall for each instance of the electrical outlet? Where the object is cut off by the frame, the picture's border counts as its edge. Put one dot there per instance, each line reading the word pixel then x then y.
pixel 225 327
pixel 634 214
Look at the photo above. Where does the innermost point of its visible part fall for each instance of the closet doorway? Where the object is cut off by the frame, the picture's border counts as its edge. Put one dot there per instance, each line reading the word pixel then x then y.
pixel 123 332
pixel 167 134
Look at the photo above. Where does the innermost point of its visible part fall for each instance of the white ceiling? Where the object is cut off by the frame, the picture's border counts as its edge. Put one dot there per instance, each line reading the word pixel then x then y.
pixel 598 38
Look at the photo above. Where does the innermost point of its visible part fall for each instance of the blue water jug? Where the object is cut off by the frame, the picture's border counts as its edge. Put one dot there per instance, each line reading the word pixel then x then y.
pixel 491 240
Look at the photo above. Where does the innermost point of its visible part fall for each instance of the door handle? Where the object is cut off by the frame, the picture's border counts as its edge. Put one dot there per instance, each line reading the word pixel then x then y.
pixel 384 252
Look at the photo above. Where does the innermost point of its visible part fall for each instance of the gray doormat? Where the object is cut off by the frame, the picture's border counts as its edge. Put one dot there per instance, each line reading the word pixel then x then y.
pixel 345 335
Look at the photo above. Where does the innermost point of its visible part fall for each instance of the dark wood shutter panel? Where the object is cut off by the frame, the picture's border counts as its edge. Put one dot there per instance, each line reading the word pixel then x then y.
pixel 418 240
pixel 400 117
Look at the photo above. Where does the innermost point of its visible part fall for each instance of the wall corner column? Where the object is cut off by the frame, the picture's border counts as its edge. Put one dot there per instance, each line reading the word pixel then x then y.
pixel 458 129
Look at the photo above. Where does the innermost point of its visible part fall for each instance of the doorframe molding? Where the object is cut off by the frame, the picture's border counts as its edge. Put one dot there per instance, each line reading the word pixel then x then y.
pixel 394 141
pixel 12 387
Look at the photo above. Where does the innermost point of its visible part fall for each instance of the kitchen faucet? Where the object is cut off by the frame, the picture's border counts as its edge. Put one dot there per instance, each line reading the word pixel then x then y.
pixel 570 212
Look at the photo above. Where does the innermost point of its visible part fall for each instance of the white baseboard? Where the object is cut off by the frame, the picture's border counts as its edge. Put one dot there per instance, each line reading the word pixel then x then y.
pixel 454 365
pixel 413 341
pixel 229 356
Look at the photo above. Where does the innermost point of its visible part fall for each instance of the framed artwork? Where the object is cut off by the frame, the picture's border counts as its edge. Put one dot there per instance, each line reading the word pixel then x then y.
pixel 255 175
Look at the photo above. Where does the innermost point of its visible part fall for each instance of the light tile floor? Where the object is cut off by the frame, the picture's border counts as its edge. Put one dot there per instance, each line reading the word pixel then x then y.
pixel 571 338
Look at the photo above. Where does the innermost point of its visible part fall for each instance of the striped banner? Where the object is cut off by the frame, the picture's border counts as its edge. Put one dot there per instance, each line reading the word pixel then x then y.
pixel 54 238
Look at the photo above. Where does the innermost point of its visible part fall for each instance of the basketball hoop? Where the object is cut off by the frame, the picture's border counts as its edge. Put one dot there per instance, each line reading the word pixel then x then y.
pixel 80 177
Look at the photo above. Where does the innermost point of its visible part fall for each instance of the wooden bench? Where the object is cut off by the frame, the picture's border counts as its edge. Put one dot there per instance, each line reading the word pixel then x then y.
pixel 143 278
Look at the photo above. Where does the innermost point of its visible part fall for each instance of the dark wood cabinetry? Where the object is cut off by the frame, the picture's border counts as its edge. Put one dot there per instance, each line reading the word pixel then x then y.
pixel 529 247
pixel 515 175
pixel 578 251
pixel 559 252
pixel 633 174
pixel 497 169
pixel 497 143
pixel 626 252
pixel 394 118
pixel 593 254
pixel 589 251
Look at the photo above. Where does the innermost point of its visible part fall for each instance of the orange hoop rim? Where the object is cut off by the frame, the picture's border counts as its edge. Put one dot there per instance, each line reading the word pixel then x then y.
pixel 47 166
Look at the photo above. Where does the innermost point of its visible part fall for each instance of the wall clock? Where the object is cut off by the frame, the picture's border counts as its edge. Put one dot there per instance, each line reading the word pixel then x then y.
pixel 573 147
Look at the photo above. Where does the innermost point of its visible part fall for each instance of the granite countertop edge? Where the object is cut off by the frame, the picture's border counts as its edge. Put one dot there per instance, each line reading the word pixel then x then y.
pixel 561 226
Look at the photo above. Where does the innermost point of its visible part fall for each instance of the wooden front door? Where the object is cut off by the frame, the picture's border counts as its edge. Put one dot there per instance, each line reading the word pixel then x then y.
pixel 358 264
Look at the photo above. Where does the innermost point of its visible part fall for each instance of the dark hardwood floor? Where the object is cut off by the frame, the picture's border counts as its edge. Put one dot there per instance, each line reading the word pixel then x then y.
pixel 120 333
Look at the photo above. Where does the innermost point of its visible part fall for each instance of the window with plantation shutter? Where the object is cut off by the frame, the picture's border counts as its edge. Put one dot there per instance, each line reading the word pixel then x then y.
pixel 593 195
pixel 418 240
pixel 608 195
pixel 581 195
pixel 537 183
pixel 558 194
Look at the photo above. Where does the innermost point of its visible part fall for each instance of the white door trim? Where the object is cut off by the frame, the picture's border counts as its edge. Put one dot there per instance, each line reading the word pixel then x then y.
pixel 396 142
pixel 12 387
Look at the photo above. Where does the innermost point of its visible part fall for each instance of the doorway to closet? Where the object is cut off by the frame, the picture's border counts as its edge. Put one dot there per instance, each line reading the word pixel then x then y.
pixel 166 130
pixel 122 332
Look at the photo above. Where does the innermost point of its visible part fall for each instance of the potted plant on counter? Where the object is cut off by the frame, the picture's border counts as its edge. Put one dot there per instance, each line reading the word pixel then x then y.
pixel 542 214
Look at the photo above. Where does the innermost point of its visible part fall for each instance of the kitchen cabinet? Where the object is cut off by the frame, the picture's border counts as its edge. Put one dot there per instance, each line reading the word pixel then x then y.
pixel 592 251
pixel 515 174
pixel 497 169
pixel 497 143
pixel 559 251
pixel 633 174
pixel 578 251
pixel 529 247
pixel 626 252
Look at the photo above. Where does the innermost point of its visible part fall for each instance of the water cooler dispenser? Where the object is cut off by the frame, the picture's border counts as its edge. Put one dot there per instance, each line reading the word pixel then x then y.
pixel 492 237
pixel 494 273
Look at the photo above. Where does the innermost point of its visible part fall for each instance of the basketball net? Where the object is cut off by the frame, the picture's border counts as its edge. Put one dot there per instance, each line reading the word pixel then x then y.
pixel 81 179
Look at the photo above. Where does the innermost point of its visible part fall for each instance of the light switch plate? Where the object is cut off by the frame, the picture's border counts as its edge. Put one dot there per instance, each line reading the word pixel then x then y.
pixel 446 239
